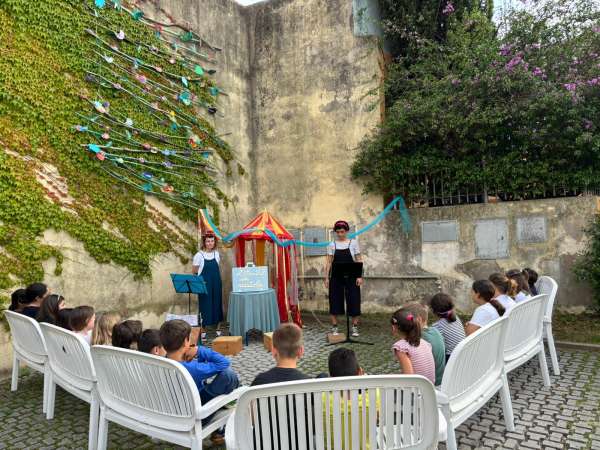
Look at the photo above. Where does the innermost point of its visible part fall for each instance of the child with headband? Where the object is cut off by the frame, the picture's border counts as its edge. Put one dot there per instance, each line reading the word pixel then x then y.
pixel 413 353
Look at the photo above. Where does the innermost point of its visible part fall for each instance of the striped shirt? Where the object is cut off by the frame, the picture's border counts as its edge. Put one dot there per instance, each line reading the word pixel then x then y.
pixel 421 357
pixel 452 332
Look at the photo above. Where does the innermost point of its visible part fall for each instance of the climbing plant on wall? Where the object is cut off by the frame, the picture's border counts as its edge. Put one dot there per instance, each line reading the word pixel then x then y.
pixel 99 107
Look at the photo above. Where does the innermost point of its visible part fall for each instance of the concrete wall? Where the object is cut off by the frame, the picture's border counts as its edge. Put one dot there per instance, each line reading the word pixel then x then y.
pixel 401 267
pixel 311 78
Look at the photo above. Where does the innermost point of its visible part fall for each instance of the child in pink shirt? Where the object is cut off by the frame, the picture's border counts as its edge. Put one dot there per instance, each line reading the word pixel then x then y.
pixel 413 353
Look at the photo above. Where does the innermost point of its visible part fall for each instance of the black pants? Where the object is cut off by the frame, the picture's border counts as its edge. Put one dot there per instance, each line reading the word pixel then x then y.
pixel 342 292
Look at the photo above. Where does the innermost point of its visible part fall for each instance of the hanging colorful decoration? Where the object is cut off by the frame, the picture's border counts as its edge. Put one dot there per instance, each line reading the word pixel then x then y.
pixel 172 148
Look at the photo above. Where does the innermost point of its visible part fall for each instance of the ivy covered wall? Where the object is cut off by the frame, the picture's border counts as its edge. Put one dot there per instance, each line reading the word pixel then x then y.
pixel 49 179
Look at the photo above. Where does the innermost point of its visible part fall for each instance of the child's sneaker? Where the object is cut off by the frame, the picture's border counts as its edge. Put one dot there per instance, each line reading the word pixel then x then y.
pixel 355 331
pixel 334 330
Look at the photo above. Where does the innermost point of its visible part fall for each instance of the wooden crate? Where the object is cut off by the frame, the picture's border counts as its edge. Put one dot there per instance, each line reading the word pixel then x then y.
pixel 227 345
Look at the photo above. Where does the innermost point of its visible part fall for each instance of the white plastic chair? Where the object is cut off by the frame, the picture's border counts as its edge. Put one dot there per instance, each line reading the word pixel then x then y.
pixel 293 415
pixel 547 285
pixel 154 396
pixel 474 373
pixel 524 335
pixel 29 348
pixel 72 369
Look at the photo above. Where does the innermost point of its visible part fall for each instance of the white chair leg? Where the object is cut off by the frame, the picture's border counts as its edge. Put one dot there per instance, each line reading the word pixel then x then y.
pixel 544 365
pixel 507 409
pixel 14 382
pixel 51 397
pixel 93 429
pixel 196 439
pixel 102 431
pixel 47 377
pixel 552 349
pixel 451 439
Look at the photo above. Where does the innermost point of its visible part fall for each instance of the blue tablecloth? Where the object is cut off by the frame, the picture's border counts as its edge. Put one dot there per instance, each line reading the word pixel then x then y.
pixel 252 310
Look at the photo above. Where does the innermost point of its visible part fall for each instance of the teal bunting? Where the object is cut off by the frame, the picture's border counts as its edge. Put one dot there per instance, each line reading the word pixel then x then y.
pixel 396 202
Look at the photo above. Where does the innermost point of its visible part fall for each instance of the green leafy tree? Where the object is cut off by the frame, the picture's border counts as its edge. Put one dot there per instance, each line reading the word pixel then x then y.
pixel 511 112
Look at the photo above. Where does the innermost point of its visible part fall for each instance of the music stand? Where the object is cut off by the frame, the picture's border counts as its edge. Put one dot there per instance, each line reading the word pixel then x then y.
pixel 188 284
pixel 347 270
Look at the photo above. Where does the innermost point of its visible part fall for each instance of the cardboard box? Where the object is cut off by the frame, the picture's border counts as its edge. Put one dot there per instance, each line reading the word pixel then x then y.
pixel 227 345
pixel 336 338
pixel 268 341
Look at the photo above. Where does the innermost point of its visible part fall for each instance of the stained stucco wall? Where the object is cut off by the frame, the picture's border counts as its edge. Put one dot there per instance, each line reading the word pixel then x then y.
pixel 401 267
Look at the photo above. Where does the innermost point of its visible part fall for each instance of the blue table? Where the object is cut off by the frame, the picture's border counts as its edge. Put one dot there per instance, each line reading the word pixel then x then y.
pixel 252 310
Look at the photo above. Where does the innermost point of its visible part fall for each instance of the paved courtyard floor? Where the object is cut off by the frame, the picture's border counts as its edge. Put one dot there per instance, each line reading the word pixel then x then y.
pixel 564 416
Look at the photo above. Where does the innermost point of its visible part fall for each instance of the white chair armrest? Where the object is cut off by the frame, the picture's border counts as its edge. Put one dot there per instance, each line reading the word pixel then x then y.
pixel 441 398
pixel 218 402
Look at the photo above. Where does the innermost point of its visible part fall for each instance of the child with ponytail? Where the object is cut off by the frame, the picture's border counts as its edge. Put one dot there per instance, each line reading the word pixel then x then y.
pixel 413 353
pixel 489 308
pixel 449 324
pixel 506 289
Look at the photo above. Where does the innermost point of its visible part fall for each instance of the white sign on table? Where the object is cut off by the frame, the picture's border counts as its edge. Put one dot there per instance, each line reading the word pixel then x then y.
pixel 250 278
pixel 192 319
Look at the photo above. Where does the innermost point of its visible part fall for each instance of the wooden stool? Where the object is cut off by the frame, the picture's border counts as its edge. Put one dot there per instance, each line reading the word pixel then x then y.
pixel 227 345
pixel 268 341
pixel 336 338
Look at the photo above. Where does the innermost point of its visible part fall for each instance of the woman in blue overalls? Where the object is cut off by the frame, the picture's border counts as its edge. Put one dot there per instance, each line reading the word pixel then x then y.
pixel 206 264
pixel 343 292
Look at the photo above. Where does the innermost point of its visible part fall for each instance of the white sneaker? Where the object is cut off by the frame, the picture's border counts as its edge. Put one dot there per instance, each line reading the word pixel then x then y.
pixel 334 330
pixel 355 331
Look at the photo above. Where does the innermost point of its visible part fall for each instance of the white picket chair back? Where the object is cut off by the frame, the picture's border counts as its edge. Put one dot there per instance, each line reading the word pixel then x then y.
pixel 70 360
pixel 474 373
pixel 547 285
pixel 29 347
pixel 475 365
pixel 27 339
pixel 323 413
pixel 72 369
pixel 525 326
pixel 149 389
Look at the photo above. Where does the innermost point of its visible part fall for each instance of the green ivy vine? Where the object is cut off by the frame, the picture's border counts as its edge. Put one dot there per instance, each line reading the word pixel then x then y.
pixel 43 48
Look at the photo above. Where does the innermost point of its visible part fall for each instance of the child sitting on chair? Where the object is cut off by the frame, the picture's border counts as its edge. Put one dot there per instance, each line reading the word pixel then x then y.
pixel 413 353
pixel 343 363
pixel 448 324
pixel 127 334
pixel 175 338
pixel 433 336
pixel 288 348
pixel 81 321
pixel 103 328
pixel 150 343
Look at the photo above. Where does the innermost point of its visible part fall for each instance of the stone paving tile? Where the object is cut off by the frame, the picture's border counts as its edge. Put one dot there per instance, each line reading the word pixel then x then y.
pixel 564 416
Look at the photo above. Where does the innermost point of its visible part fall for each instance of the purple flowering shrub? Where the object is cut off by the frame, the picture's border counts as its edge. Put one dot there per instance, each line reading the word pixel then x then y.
pixel 512 107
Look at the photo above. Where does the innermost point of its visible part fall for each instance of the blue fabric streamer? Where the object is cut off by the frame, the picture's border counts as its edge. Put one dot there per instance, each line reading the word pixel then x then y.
pixel 406 223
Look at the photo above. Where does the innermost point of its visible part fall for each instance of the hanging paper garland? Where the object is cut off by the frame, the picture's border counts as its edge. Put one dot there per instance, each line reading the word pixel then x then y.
pixel 143 79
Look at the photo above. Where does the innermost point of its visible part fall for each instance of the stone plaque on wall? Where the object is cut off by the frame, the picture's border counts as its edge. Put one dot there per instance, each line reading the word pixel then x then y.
pixel 439 231
pixel 531 229
pixel 491 238
pixel 315 234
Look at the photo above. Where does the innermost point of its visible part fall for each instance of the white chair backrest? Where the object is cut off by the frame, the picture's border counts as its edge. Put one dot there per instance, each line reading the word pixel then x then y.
pixel 27 337
pixel 525 326
pixel 69 357
pixel 547 285
pixel 322 413
pixel 475 364
pixel 149 389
